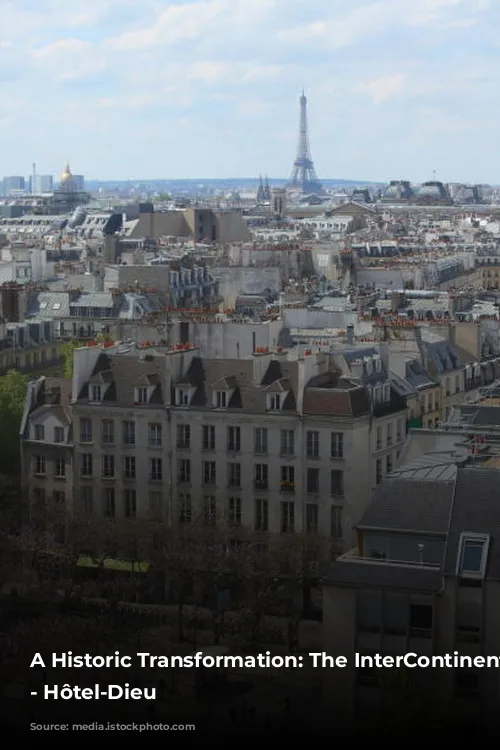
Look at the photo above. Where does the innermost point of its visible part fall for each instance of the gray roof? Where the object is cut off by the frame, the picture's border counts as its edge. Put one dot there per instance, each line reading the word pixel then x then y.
pixel 405 505
pixel 476 510
pixel 477 415
pixel 449 508
pixel 430 468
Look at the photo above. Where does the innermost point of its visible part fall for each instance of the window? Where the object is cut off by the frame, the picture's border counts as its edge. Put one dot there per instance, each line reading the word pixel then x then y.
pixel 86 464
pixel 40 466
pixel 58 497
pixel 86 499
pixel 337 445
pixel 108 467
pixel 260 440
pixel 336 530
pixel 39 498
pixel 109 502
pixel 209 510
pixel 234 475
pixel 95 394
pixel 379 438
pixel 39 432
pixel 233 439
pixel 184 472
pixel 336 483
pixel 107 431
pixel 154 435
pixel 261 481
pixel 261 515
pixel 209 472
pixel 60 468
pixel 234 511
pixel 287 517
pixel 85 430
pixel 208 437
pixel 466 684
pixel 287 479
pixel 311 517
pixel 274 402
pixel 287 443
pixel 58 434
pixel 129 433
pixel 388 462
pixel 156 470
pixel 185 511
pixel 313 481
pixel 312 444
pixel 183 436
pixel 378 470
pixel 130 504
pixel 421 620
pixel 181 397
pixel 220 399
pixel 129 467
pixel 141 395
pixel 155 502
pixel 389 433
pixel 472 555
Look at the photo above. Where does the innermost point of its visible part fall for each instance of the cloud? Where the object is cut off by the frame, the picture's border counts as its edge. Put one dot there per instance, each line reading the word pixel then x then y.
pixel 381 90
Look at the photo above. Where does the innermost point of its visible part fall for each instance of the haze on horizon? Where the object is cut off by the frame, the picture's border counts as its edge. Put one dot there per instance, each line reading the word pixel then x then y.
pixel 127 90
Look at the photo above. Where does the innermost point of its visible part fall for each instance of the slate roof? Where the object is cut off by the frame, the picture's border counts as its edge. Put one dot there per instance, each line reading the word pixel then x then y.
pixel 410 506
pixel 55 397
pixel 209 376
pixel 476 510
pixel 469 504
pixel 121 373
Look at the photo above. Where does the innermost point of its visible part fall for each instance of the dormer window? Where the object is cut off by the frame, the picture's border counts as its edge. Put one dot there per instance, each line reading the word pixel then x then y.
pixel 220 399
pixel 182 397
pixel 472 555
pixel 95 394
pixel 141 395
pixel 274 401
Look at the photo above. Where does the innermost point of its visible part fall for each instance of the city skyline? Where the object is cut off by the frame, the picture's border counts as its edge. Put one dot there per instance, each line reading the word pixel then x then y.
pixel 176 90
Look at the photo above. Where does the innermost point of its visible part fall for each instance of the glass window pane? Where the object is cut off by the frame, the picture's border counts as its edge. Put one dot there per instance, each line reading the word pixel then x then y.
pixel 472 557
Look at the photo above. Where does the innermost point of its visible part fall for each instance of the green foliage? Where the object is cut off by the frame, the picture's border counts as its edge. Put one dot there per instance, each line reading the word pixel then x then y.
pixel 68 351
pixel 12 396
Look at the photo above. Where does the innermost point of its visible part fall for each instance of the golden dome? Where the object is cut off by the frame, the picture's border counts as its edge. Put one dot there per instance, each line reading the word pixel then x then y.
pixel 66 175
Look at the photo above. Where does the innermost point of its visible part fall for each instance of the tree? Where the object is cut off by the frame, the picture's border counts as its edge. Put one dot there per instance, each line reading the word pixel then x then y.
pixel 13 387
pixel 68 351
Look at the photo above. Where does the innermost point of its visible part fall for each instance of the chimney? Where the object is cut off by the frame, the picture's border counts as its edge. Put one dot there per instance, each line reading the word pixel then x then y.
pixel 350 335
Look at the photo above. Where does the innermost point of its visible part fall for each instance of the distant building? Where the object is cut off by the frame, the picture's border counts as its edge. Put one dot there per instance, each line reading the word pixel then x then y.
pixel 13 184
pixel 42 183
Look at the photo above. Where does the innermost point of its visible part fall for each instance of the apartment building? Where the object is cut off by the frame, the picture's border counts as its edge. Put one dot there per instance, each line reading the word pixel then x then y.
pixel 268 444
pixel 30 348
pixel 422 579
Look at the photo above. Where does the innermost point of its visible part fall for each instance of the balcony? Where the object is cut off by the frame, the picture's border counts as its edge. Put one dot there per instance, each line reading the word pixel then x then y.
pixel 287 486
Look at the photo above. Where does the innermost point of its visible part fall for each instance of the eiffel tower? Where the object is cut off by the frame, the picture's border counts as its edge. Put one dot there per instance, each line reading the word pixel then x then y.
pixel 304 175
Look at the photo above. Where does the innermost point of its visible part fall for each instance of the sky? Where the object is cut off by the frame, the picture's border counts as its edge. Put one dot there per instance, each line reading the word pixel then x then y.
pixel 152 89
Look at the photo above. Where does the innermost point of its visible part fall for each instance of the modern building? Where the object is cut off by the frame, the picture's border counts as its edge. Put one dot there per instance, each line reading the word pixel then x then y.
pixel 13 184
pixel 423 579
